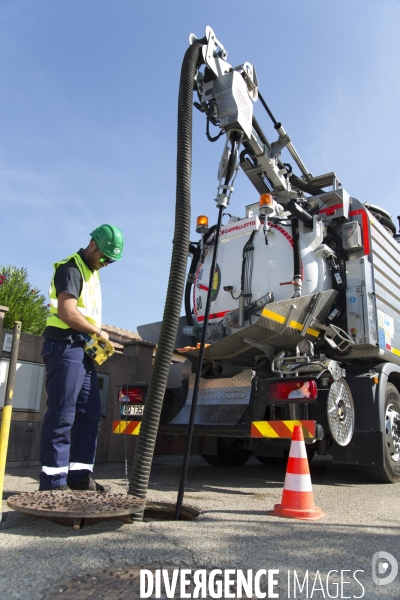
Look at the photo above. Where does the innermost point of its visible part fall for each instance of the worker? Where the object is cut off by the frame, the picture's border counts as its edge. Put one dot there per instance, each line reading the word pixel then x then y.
pixel 70 426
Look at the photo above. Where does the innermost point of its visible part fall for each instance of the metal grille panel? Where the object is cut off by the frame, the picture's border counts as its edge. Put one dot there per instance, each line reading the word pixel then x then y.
pixel 386 262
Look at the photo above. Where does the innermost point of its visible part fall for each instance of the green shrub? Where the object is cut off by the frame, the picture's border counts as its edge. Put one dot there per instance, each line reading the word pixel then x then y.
pixel 25 303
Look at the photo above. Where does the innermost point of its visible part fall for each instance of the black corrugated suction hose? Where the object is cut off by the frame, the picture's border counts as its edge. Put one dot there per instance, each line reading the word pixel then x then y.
pixel 143 458
pixel 305 187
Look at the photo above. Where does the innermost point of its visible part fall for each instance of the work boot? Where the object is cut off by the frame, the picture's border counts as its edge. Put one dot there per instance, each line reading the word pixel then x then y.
pixel 88 484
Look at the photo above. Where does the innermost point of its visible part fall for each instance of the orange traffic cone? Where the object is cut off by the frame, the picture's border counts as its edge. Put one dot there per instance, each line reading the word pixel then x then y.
pixel 297 498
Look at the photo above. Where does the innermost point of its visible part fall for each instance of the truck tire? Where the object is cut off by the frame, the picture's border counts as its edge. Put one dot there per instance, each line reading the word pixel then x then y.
pixel 272 460
pixel 276 460
pixel 390 471
pixel 230 453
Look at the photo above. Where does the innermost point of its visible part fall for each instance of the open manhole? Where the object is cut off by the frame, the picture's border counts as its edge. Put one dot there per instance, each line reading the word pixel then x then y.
pixel 165 511
pixel 83 508
pixel 125 584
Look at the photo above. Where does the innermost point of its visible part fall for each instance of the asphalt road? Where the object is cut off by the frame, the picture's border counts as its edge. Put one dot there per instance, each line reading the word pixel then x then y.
pixel 233 531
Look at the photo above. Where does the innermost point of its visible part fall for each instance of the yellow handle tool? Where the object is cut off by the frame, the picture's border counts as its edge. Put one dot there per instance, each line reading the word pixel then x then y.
pixel 98 348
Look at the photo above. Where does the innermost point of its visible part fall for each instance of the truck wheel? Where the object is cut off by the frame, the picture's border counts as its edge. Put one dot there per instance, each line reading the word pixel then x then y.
pixel 230 453
pixel 282 460
pixel 390 471
pixel 272 460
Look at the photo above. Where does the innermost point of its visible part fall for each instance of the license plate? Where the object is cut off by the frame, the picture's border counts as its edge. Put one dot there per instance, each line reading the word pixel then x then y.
pixel 128 409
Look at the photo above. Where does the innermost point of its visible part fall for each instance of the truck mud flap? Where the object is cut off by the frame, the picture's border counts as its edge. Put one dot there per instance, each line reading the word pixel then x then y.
pixel 365 448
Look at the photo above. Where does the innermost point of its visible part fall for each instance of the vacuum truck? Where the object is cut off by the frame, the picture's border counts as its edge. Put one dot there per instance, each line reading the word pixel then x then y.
pixel 303 325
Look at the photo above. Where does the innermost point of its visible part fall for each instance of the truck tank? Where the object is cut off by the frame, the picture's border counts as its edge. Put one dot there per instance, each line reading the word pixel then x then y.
pixel 254 266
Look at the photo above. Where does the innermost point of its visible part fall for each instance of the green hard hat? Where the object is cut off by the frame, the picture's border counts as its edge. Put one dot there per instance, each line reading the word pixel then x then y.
pixel 109 240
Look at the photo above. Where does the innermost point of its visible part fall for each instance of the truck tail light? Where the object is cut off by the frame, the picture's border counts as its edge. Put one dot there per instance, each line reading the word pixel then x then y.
pixel 293 391
pixel 134 395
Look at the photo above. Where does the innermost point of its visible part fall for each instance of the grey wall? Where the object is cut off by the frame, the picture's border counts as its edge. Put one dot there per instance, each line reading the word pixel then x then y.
pixel 133 365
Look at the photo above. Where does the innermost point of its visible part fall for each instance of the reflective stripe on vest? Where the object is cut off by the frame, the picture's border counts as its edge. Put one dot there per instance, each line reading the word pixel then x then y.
pixel 89 302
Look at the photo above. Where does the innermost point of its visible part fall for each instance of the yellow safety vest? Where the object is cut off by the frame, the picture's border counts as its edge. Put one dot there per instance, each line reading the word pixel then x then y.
pixel 89 302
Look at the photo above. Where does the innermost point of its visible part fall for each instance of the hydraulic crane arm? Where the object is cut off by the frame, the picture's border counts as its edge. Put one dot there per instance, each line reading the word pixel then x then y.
pixel 226 96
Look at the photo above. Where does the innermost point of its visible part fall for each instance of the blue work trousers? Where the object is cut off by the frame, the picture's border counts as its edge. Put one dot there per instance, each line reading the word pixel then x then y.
pixel 70 426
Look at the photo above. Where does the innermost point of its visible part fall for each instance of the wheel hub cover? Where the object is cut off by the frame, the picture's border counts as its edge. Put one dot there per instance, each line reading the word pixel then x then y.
pixel 340 412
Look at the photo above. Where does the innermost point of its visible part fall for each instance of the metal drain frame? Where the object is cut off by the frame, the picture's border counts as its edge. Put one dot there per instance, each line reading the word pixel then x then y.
pixel 113 584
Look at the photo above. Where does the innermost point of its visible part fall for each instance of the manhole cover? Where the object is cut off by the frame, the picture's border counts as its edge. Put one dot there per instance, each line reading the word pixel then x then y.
pixel 76 506
pixel 124 584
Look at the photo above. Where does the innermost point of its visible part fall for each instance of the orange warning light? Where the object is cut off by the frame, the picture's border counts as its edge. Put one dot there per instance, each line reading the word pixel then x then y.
pixel 266 204
pixel 202 224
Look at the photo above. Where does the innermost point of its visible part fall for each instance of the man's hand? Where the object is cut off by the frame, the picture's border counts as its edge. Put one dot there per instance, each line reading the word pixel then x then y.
pixel 104 334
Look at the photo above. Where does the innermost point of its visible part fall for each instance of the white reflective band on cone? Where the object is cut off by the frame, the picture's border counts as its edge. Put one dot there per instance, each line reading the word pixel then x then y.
pixel 297 450
pixel 297 483
pixel 80 466
pixel 54 470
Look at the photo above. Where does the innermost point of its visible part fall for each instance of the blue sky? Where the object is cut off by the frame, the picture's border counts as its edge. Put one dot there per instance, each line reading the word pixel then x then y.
pixel 88 105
